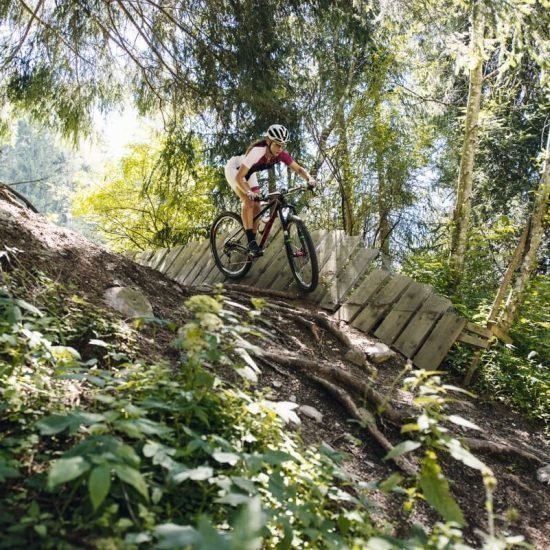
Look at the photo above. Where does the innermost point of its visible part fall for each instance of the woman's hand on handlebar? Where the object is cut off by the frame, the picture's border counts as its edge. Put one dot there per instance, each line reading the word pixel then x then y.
pixel 311 184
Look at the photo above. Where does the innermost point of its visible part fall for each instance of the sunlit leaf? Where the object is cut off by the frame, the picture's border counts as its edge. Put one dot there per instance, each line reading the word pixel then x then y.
pixel 67 469
pixel 459 421
pixel 436 491
pixel 458 452
pixel 233 499
pixel 132 477
pixel 402 448
pixel 248 526
pixel 176 536
pixel 196 474
pixel 247 373
pixel 226 458
pixel 99 484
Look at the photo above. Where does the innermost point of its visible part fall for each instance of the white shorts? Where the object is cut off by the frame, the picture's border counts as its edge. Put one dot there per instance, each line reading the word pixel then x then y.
pixel 231 169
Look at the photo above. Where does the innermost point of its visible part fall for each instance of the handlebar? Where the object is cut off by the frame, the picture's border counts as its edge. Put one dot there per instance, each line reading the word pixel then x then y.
pixel 281 192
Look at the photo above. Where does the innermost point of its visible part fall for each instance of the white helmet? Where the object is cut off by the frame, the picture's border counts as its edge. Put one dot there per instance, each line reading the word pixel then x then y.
pixel 278 133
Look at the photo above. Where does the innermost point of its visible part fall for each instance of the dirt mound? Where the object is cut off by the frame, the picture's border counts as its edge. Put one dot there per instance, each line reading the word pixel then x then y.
pixel 307 360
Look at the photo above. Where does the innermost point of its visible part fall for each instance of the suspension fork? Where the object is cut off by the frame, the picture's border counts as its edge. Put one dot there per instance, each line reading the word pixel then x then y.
pixel 284 223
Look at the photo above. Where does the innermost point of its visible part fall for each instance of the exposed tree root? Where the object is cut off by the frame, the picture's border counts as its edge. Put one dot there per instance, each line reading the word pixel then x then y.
pixel 367 421
pixel 253 291
pixel 380 402
pixel 492 447
pixel 322 319
pixel 271 365
pixel 311 326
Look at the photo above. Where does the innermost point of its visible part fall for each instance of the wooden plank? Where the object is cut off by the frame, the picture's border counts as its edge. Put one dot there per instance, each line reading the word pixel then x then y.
pixel 201 254
pixel 157 258
pixel 381 303
pixel 272 254
pixel 143 258
pixel 323 259
pixel 209 275
pixel 167 261
pixel 348 277
pixel 402 311
pixel 421 324
pixel 278 276
pixel 501 335
pixel 339 256
pixel 329 258
pixel 439 342
pixel 362 294
pixel 479 330
pixel 170 256
pixel 216 276
pixel 267 267
pixel 189 261
pixel 181 260
pixel 204 268
pixel 473 340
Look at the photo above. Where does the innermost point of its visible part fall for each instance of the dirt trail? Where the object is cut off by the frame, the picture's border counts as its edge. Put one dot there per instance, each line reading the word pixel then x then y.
pixel 307 362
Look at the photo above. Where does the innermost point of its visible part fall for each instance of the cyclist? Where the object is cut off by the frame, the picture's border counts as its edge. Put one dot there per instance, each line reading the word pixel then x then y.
pixel 240 172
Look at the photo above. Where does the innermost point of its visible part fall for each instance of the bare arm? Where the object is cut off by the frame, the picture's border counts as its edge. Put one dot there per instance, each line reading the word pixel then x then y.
pixel 301 171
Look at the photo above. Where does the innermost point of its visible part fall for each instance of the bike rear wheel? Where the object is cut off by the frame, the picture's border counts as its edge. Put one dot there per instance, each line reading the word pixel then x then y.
pixel 229 245
pixel 301 255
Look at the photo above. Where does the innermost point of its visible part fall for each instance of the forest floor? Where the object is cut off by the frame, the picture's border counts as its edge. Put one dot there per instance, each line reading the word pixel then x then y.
pixel 305 361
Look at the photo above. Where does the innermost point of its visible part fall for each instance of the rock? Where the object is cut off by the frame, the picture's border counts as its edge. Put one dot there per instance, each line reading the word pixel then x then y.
pixel 311 412
pixel 543 474
pixel 379 353
pixel 131 303
pixel 356 356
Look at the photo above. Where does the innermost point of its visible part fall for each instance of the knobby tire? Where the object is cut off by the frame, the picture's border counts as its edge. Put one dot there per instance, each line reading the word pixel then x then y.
pixel 229 245
pixel 301 255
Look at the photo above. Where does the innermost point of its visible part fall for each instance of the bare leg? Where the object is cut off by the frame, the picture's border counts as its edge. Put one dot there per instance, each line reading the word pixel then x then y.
pixel 248 210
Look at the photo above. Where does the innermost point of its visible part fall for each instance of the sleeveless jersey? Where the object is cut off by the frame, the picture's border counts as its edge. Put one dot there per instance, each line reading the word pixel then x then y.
pixel 256 159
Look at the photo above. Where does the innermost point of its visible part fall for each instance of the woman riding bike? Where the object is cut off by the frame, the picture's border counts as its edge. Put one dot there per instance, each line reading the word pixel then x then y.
pixel 240 172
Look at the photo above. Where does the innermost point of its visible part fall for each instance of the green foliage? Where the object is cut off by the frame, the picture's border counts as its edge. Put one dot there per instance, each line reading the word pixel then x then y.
pixel 158 196
pixel 518 374
pixel 515 374
pixel 430 483
pixel 151 454
pixel 42 169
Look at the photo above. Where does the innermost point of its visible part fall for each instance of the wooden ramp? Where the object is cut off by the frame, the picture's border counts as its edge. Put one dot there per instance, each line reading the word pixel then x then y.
pixel 407 316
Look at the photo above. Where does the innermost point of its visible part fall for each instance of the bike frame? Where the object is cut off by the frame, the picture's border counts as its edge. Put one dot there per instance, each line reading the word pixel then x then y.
pixel 276 201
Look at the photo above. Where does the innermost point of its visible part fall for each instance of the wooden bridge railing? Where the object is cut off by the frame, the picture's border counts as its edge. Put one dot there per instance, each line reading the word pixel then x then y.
pixel 407 316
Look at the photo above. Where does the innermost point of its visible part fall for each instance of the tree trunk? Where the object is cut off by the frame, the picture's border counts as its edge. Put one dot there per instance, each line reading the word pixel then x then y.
pixel 462 212
pixel 535 233
pixel 508 276
pixel 383 206
pixel 346 187
pixel 379 145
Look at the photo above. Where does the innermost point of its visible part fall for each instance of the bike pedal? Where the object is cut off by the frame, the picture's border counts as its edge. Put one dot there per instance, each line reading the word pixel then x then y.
pixel 255 255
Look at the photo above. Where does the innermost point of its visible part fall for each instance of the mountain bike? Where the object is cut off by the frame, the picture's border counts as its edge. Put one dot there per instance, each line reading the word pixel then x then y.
pixel 230 246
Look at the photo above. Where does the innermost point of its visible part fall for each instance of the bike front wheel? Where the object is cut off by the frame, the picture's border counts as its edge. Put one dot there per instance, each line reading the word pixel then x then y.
pixel 301 255
pixel 229 245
